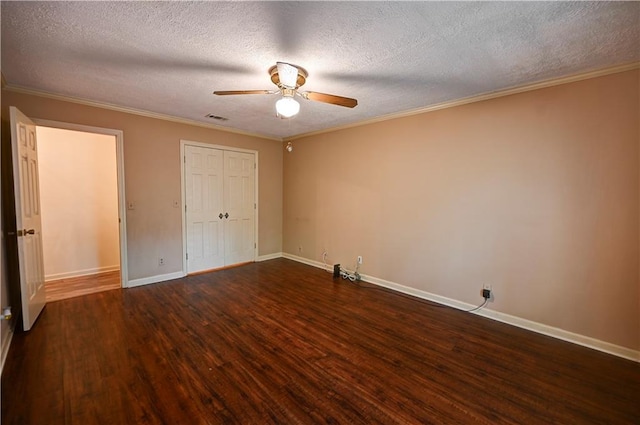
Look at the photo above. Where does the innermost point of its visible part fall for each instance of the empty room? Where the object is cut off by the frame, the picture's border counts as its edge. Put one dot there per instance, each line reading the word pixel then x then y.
pixel 320 212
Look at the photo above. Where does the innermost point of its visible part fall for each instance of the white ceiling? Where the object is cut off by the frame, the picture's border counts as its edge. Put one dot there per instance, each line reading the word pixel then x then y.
pixel 168 57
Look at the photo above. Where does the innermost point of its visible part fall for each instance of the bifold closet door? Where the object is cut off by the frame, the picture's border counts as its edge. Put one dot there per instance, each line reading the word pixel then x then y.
pixel 204 198
pixel 220 207
pixel 239 204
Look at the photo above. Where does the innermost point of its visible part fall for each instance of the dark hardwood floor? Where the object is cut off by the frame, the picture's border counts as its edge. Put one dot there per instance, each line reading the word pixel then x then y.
pixel 279 342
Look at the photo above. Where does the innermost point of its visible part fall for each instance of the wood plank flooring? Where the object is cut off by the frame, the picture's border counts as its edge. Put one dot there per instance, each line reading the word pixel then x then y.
pixel 279 342
pixel 61 289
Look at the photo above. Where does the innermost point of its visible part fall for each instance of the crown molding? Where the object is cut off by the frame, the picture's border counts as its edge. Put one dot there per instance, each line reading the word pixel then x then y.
pixel 418 111
pixel 127 110
pixel 480 98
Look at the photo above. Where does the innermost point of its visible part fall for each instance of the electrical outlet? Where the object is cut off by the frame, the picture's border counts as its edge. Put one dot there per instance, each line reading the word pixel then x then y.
pixel 300 249
pixel 359 259
pixel 487 292
pixel 161 261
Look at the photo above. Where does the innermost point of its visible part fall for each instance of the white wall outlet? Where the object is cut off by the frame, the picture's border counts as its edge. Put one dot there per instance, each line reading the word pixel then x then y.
pixel 359 259
pixel 486 286
pixel 161 261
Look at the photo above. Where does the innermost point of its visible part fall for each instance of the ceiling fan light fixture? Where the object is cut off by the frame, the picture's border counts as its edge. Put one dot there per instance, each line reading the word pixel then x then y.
pixel 287 107
pixel 289 78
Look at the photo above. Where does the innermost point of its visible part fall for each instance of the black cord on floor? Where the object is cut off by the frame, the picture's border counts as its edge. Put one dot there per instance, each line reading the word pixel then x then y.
pixel 397 293
pixel 359 284
pixel 486 300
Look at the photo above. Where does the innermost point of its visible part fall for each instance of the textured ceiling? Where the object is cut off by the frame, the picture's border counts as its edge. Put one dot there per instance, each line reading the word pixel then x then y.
pixel 168 57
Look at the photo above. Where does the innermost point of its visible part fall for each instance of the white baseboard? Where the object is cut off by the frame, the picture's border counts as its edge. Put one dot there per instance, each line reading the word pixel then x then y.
pixel 303 260
pixel 558 333
pixel 78 273
pixel 269 257
pixel 6 343
pixel 551 331
pixel 155 279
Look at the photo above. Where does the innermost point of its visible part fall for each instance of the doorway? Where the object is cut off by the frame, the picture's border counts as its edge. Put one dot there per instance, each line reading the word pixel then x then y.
pixel 81 190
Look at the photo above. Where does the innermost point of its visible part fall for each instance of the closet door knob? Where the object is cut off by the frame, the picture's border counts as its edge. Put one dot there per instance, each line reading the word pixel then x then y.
pixel 226 215
pixel 220 215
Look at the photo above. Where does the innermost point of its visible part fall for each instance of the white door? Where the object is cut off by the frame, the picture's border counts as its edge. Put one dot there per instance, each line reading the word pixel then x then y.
pixel 239 204
pixel 220 207
pixel 28 222
pixel 204 210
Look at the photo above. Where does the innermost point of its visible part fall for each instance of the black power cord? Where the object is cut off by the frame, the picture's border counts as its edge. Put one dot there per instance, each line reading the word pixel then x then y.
pixel 481 306
pixel 486 293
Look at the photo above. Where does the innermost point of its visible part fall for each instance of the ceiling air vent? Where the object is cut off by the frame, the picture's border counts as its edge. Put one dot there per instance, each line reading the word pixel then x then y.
pixel 216 117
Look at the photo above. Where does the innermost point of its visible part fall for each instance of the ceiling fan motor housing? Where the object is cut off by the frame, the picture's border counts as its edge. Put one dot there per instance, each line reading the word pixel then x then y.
pixel 275 78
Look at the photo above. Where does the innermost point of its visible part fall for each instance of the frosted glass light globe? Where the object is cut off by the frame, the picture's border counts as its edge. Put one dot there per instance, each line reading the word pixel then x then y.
pixel 287 107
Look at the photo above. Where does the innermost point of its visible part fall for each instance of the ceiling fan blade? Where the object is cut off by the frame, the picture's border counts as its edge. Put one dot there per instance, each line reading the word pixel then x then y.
pixel 225 93
pixel 330 98
pixel 288 74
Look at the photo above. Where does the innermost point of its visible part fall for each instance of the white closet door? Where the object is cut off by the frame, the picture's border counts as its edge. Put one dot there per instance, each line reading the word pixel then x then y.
pixel 239 203
pixel 204 208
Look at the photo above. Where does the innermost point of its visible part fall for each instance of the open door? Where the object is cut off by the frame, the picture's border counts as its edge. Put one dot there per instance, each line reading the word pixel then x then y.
pixel 24 151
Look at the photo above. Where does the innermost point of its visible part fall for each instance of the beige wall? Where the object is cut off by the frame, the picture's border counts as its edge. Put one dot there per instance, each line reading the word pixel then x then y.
pixel 152 177
pixel 536 194
pixel 79 199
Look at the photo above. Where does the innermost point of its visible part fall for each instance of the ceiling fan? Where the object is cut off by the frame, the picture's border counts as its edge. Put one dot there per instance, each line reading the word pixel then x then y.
pixel 289 78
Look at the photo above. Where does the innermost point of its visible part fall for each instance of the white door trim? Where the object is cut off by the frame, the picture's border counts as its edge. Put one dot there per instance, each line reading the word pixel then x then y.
pixel 183 143
pixel 122 212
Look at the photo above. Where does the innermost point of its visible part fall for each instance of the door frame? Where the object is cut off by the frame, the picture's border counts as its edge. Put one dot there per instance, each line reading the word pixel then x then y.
pixel 183 143
pixel 122 212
